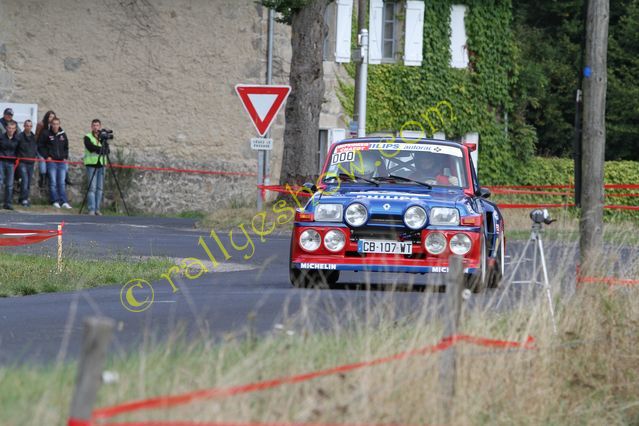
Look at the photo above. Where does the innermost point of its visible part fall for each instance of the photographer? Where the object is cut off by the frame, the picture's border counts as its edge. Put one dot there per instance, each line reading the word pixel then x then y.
pixel 96 149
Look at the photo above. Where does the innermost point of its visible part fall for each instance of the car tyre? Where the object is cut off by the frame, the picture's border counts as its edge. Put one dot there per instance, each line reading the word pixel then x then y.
pixel 496 272
pixel 476 282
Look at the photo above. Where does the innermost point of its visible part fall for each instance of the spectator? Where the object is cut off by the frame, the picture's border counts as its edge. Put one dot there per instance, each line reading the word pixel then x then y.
pixel 7 116
pixel 27 149
pixel 8 144
pixel 94 160
pixel 45 124
pixel 54 146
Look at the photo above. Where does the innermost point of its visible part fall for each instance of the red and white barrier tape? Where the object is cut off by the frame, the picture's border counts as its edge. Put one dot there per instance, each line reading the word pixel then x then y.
pixel 214 393
pixel 20 237
pixel 136 167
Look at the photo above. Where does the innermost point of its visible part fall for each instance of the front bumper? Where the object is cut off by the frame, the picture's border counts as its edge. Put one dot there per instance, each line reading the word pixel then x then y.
pixel 349 259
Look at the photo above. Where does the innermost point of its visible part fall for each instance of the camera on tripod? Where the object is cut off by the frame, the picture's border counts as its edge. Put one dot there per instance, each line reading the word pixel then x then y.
pixel 105 135
pixel 541 216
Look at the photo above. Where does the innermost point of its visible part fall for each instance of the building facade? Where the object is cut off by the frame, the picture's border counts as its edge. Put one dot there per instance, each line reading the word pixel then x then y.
pixel 161 74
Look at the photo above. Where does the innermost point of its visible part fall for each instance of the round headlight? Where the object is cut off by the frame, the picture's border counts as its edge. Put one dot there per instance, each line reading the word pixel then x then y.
pixel 310 240
pixel 415 217
pixel 334 240
pixel 460 244
pixel 356 214
pixel 435 243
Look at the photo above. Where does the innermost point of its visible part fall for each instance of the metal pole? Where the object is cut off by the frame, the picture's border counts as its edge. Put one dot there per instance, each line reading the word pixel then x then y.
pixel 269 80
pixel 361 24
pixel 260 177
pixel 363 79
pixel 547 283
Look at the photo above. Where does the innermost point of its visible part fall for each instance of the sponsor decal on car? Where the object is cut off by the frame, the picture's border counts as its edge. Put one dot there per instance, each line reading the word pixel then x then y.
pixel 360 146
pixel 440 269
pixel 317 266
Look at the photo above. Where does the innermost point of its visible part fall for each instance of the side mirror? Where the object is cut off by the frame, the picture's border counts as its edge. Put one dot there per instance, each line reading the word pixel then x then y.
pixel 310 186
pixel 483 193
pixel 471 146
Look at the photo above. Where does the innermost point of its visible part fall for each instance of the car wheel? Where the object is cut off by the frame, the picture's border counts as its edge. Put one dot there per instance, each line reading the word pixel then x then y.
pixel 496 272
pixel 476 282
pixel 301 278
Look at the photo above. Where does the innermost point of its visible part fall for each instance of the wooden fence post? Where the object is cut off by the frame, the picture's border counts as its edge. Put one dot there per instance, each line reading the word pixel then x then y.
pixel 97 334
pixel 452 307
pixel 59 248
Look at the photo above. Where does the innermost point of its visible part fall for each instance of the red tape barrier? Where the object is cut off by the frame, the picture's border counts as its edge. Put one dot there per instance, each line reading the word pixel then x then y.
pixel 213 393
pixel 128 166
pixel 611 281
pixel 186 423
pixel 21 237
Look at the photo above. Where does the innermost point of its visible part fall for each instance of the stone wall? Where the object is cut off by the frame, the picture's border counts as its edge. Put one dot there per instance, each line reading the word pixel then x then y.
pixel 161 74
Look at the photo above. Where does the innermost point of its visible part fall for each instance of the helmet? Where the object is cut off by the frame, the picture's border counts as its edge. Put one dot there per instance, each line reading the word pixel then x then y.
pixel 370 161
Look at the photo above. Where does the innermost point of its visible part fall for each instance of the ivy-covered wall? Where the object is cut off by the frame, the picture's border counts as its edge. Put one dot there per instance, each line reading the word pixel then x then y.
pixel 481 96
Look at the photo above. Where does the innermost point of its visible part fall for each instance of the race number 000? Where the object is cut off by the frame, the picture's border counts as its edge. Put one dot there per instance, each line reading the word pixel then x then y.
pixel 343 157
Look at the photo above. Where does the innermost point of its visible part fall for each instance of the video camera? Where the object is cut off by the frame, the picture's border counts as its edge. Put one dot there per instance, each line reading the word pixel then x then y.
pixel 541 216
pixel 105 135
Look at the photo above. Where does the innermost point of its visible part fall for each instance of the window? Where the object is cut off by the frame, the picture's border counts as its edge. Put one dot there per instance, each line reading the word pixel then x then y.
pixel 329 38
pixel 389 31
pixel 458 50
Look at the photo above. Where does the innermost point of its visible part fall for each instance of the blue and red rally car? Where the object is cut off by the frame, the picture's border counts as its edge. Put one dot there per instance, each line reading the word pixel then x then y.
pixel 389 205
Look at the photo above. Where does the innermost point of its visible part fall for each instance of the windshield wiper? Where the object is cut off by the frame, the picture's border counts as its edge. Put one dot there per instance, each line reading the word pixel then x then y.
pixel 405 179
pixel 352 177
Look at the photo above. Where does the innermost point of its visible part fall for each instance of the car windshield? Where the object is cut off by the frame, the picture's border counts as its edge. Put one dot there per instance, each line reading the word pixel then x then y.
pixel 426 163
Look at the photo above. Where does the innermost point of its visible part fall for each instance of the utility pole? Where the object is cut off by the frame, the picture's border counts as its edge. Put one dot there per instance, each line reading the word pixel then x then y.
pixel 362 8
pixel 363 80
pixel 594 131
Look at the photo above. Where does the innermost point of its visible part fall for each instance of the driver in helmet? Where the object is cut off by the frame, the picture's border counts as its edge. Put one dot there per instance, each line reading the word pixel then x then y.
pixel 430 170
pixel 369 164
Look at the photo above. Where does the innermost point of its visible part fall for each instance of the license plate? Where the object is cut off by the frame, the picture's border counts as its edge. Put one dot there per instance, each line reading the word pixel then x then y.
pixel 384 247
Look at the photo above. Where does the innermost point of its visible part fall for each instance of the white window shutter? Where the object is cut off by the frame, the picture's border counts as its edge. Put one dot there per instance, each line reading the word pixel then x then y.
pixel 375 24
pixel 414 33
pixel 458 51
pixel 343 31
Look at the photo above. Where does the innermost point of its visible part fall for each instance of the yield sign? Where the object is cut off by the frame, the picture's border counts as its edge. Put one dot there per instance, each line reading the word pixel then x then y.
pixel 262 103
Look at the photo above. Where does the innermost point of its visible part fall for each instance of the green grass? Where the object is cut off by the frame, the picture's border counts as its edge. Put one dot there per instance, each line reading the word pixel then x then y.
pixel 24 274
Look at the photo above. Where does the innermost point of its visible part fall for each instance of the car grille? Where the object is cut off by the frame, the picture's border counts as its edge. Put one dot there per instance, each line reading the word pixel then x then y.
pixel 386 219
pixel 385 233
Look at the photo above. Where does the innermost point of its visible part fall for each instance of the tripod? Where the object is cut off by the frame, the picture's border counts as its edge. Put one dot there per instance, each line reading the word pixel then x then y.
pixel 538 256
pixel 105 155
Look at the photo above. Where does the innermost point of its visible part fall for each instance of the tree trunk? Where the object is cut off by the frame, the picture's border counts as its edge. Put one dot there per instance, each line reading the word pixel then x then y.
pixel 594 132
pixel 301 132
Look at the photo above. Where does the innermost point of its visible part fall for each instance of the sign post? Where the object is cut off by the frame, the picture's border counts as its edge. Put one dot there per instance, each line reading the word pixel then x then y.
pixel 262 103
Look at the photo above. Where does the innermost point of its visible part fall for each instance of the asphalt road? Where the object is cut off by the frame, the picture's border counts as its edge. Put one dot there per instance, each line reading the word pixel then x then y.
pixel 258 299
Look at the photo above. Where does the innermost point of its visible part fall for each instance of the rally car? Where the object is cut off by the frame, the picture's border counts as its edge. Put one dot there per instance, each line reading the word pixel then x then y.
pixel 397 205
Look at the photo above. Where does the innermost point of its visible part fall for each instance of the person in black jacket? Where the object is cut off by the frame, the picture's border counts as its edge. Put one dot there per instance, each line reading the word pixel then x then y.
pixel 8 144
pixel 26 152
pixel 54 146
pixel 7 116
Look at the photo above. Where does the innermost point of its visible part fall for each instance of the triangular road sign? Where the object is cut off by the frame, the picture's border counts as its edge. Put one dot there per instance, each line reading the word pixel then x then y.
pixel 262 103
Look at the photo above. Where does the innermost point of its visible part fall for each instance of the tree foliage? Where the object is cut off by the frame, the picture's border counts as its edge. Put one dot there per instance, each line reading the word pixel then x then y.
pixel 550 34
pixel 481 96
pixel 285 8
